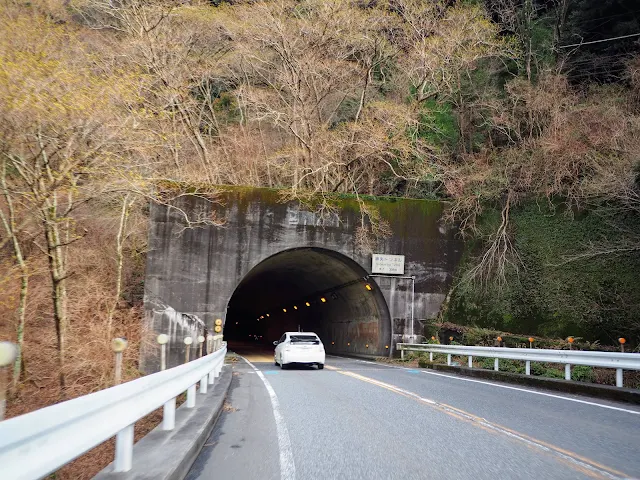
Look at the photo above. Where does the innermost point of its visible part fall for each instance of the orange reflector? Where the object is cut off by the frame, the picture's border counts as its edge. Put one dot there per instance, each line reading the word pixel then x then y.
pixel 386 346
pixel 368 287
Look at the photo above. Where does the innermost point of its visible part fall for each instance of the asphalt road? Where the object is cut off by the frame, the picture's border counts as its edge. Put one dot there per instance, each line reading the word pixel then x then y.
pixel 359 420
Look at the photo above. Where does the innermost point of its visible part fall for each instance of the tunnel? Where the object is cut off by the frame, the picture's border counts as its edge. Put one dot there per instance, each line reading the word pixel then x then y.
pixel 313 290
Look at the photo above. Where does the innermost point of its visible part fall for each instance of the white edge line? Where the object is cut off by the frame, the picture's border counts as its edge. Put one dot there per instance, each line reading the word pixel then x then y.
pixel 619 409
pixel 634 412
pixel 287 465
pixel 495 427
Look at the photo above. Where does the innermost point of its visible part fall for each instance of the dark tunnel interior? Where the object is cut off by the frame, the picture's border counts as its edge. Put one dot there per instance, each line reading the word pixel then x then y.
pixel 310 289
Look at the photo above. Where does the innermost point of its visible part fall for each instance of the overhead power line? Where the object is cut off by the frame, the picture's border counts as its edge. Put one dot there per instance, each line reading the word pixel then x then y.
pixel 600 41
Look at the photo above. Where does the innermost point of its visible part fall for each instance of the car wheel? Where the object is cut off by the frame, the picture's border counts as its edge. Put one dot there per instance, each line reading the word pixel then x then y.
pixel 276 362
pixel 284 366
pixel 320 366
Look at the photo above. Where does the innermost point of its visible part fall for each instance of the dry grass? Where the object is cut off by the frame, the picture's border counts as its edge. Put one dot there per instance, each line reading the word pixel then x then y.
pixel 89 360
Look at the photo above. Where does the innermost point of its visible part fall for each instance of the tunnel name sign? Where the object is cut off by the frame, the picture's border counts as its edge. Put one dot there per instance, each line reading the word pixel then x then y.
pixel 389 264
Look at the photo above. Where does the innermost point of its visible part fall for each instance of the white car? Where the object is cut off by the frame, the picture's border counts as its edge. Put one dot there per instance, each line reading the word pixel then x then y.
pixel 299 347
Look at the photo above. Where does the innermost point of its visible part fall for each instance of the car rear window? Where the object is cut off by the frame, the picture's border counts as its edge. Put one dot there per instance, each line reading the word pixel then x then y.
pixel 305 339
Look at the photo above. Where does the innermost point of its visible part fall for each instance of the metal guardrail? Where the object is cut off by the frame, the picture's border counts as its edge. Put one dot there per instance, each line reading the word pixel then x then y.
pixel 39 443
pixel 618 360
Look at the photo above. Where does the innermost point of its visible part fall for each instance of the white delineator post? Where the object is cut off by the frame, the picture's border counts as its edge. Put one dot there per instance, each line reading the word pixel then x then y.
pixel 567 371
pixel 201 342
pixel 8 354
pixel 163 340
pixel 118 345
pixel 187 341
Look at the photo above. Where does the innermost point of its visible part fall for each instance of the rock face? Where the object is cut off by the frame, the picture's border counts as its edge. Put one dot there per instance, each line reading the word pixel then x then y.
pixel 271 256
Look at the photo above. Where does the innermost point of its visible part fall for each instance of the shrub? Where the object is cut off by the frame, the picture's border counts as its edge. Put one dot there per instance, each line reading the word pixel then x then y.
pixel 511 366
pixel 583 373
pixel 424 362
pixel 486 363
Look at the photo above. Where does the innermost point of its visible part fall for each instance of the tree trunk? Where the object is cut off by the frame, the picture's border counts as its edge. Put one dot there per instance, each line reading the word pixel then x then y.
pixel 58 282
pixel 9 223
pixel 22 310
pixel 124 215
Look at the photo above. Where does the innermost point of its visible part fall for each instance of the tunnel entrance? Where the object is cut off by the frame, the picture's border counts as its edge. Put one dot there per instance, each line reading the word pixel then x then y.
pixel 310 289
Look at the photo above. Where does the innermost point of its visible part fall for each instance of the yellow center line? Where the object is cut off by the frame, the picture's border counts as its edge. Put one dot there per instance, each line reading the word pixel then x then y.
pixel 577 462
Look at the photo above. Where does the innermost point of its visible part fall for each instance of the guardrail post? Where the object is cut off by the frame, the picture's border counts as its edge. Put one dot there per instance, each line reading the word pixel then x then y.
pixel 470 361
pixel 401 353
pixel 191 396
pixel 218 369
pixel 448 359
pixel 212 376
pixel 496 365
pixel 567 372
pixel 169 415
pixel 527 367
pixel 619 378
pixel 124 450
pixel 203 384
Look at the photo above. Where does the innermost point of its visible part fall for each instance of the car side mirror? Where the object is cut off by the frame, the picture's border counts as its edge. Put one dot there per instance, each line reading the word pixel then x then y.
pixel 276 342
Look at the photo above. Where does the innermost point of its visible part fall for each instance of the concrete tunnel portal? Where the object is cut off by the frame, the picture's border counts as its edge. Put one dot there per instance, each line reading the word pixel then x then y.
pixel 311 289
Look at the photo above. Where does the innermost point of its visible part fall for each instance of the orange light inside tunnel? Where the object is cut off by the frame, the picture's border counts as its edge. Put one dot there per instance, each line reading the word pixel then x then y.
pixel 295 308
pixel 323 300
pixel 284 310
pixel 261 316
pixel 267 314
pixel 307 304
